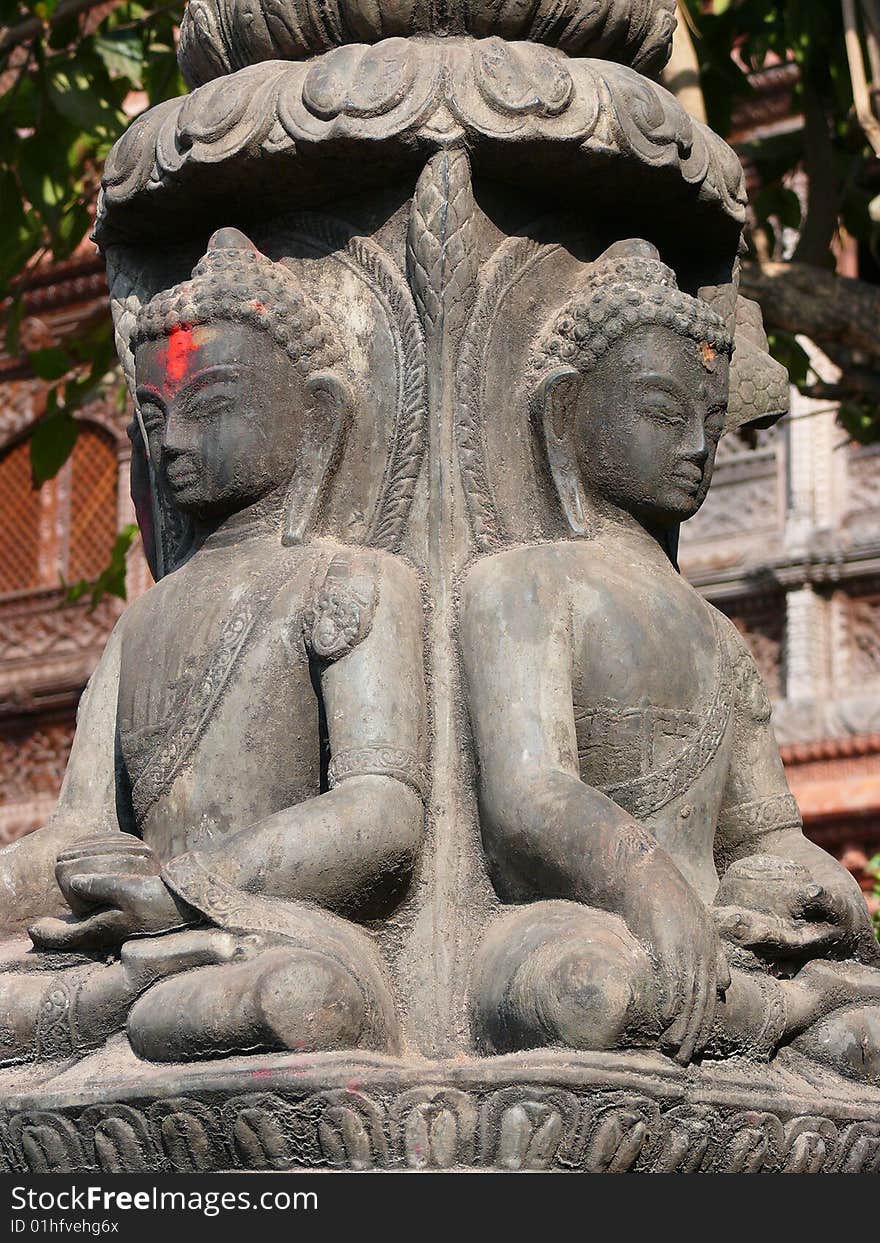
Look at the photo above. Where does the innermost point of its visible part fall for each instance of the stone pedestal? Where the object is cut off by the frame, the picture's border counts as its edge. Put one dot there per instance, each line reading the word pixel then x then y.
pixel 545 1110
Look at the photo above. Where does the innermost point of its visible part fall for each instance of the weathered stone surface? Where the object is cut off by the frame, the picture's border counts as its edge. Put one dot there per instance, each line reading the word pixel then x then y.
pixel 422 791
pixel 554 1110
pixel 220 36
pixel 365 116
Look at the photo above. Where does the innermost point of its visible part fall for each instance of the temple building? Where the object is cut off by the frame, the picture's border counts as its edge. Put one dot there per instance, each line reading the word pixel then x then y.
pixel 788 546
pixel 51 537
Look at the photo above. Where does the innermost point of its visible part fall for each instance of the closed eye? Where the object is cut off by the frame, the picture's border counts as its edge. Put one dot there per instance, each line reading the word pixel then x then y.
pixel 665 411
pixel 208 403
pixel 715 420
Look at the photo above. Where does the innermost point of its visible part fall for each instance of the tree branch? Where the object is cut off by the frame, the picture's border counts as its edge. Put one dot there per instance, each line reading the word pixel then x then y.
pixel 820 222
pixel 801 298
pixel 22 32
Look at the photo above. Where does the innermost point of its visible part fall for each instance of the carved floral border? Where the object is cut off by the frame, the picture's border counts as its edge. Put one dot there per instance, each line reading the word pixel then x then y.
pixel 521 1127
pixel 410 94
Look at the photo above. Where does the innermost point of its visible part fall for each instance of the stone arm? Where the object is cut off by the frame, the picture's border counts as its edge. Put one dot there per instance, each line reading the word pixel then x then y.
pixel 86 805
pixel 759 820
pixel 351 848
pixel 546 833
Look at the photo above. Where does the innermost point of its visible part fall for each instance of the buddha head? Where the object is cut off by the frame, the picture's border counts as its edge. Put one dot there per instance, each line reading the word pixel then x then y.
pixel 630 393
pixel 240 388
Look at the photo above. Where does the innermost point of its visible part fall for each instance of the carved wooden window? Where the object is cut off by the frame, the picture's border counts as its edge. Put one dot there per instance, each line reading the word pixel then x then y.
pixel 19 522
pixel 67 528
pixel 92 531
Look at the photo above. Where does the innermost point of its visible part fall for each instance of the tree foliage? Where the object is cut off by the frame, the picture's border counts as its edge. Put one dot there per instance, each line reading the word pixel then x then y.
pixel 818 183
pixel 72 75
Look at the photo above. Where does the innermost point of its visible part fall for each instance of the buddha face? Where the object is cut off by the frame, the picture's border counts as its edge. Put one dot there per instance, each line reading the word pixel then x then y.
pixel 645 425
pixel 222 407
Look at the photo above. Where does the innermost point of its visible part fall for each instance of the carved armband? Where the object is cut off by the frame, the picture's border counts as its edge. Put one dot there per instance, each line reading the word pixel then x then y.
pixel 341 612
pixel 380 761
pixel 752 820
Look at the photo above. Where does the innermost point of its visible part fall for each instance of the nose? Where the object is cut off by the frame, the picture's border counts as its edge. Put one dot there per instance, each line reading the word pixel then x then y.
pixel 176 441
pixel 696 446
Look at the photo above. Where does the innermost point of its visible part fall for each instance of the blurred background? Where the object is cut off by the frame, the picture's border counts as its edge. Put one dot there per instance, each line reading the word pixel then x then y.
pixel 788 544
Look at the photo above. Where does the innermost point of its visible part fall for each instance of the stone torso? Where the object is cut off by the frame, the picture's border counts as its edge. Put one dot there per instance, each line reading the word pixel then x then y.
pixel 214 655
pixel 652 697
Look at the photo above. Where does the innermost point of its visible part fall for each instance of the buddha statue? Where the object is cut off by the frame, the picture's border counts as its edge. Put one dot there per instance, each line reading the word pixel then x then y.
pixel 246 785
pixel 636 821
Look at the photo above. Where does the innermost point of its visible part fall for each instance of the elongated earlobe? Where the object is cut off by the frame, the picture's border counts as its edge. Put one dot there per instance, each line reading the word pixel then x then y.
pixel 328 418
pixel 553 411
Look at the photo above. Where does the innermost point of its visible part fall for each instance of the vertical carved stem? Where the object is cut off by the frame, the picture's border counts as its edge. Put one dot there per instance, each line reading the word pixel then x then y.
pixel 440 254
pixel 442 268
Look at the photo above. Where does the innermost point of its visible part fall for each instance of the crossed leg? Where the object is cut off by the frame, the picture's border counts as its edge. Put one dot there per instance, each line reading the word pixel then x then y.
pixel 559 974
pixel 195 994
pixel 273 998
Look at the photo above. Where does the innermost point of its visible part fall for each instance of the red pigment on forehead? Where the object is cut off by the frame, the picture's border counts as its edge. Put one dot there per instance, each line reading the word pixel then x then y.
pixel 181 347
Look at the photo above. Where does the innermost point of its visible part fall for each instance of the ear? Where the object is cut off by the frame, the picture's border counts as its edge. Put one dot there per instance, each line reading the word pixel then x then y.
pixel 553 408
pixel 330 406
pixel 143 494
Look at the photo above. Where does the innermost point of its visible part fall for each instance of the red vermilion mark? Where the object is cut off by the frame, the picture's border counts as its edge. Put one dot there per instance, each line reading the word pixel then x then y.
pixel 181 347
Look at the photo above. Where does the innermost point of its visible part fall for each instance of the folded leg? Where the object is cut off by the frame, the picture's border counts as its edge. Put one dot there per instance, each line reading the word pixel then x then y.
pixel 49 1009
pixel 555 973
pixel 281 995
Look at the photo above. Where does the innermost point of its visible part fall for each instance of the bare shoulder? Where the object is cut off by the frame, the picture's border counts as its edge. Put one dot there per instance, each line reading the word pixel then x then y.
pixel 521 593
pixel 138 611
pixel 744 664
pixel 725 626
pixel 748 684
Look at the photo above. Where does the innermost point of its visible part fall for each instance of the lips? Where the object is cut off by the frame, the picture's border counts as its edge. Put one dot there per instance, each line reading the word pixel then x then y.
pixel 180 472
pixel 689 476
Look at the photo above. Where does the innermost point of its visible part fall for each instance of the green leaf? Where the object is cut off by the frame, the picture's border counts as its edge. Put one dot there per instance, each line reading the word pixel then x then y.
pixel 13 324
pixel 76 96
pixel 20 231
pixel 52 442
pixel 785 349
pixel 123 55
pixel 860 421
pixel 72 228
pixel 111 580
pixel 50 364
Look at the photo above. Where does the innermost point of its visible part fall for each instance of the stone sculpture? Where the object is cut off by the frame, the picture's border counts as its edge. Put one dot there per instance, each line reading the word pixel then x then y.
pixel 421 784
pixel 294 659
pixel 623 738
